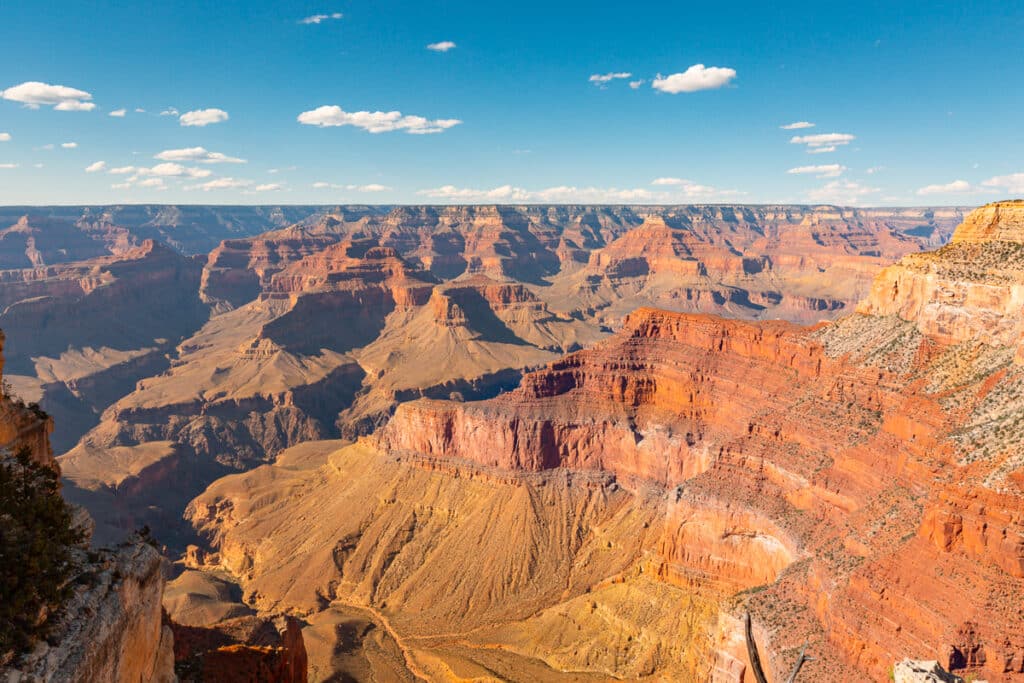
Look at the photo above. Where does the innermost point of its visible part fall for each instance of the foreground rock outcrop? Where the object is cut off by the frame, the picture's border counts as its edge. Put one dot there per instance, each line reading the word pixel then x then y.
pixel 111 628
pixel 857 486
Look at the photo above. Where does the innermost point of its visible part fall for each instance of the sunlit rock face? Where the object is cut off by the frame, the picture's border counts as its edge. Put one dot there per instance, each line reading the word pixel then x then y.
pixel 855 484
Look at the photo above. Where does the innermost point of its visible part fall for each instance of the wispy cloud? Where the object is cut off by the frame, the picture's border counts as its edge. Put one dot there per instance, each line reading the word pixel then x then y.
pixel 955 187
pixel 821 171
pixel 34 94
pixel 165 170
pixel 96 167
pixel 8 165
pixel 197 155
pixel 635 85
pixel 689 188
pixel 797 125
pixel 5 137
pixel 1013 183
pixel 118 113
pixel 320 18
pixel 221 184
pixel 442 46
pixel 376 121
pixel 681 189
pixel 822 142
pixel 170 111
pixel 697 77
pixel 203 117
pixel 69 145
pixel 372 187
pixel 268 187
pixel 601 80
pixel 841 192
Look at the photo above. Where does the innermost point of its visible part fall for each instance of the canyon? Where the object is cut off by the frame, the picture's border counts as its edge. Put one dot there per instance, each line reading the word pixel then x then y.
pixel 165 369
pixel 548 442
pixel 855 486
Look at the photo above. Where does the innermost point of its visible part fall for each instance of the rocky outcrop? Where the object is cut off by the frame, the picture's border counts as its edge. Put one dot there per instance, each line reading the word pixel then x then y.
pixel 110 629
pixel 242 650
pixel 973 288
pixel 911 671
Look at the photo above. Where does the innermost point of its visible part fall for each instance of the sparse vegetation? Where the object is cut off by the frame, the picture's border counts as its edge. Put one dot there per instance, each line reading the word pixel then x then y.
pixel 36 537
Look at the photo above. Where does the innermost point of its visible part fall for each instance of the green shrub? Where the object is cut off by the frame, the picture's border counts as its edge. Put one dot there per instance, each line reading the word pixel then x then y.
pixel 36 564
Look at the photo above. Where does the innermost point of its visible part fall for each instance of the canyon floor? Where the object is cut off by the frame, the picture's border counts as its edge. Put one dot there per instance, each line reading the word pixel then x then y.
pixel 549 443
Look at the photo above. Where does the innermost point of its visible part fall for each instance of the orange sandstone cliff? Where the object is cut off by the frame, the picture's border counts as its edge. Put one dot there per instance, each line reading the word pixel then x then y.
pixel 855 485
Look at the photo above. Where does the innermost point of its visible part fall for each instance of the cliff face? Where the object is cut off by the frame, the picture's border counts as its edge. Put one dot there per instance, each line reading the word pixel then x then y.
pixel 973 288
pixel 111 627
pixel 856 485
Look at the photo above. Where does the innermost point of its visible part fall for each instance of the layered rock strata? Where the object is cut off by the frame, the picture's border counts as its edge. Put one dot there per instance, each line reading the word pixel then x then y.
pixel 856 486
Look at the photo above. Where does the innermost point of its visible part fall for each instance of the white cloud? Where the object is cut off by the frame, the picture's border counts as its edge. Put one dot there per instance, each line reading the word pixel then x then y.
pixel 635 85
pixel 96 167
pixel 442 46
pixel 5 137
pixel 221 184
pixel 165 170
pixel 822 171
pixel 203 117
pixel 8 166
pixel 37 165
pixel 374 122
pixel 372 187
pixel 170 111
pixel 320 18
pixel 69 145
pixel 822 142
pixel 175 170
pixel 949 188
pixel 797 125
pixel 683 189
pixel 697 77
pixel 34 94
pixel 874 169
pixel 842 192
pixel 118 113
pixel 601 80
pixel 140 110
pixel 1013 183
pixel 75 106
pixel 689 188
pixel 197 155
pixel 151 182
pixel 268 187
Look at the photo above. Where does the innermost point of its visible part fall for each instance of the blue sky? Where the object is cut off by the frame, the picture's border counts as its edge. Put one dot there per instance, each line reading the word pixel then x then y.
pixel 923 102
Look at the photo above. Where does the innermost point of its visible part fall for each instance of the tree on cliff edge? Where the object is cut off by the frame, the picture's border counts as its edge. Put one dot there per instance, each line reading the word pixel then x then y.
pixel 36 537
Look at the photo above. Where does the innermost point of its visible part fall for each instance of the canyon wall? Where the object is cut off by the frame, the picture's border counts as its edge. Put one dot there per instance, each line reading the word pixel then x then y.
pixel 854 485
